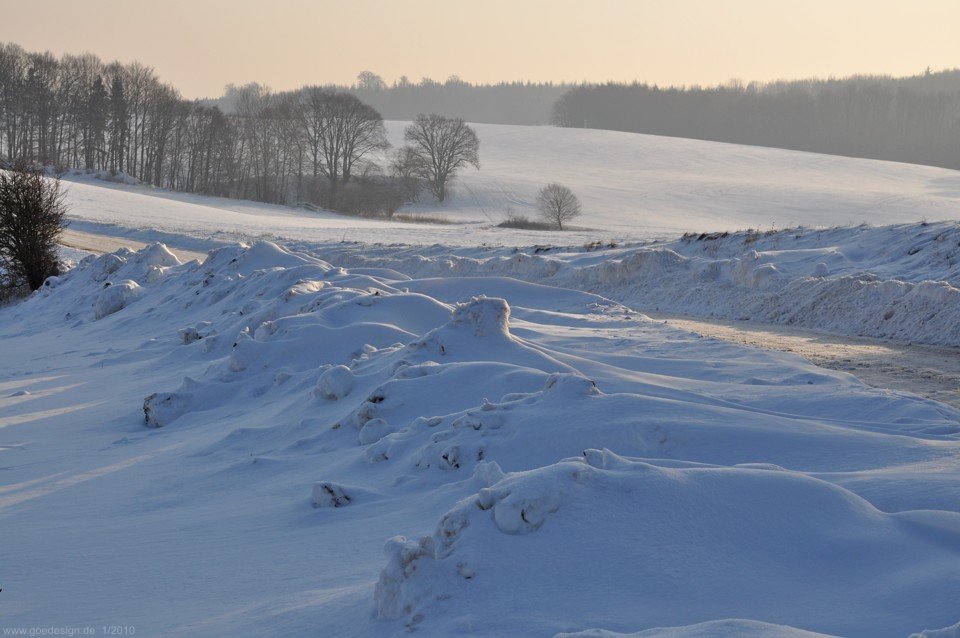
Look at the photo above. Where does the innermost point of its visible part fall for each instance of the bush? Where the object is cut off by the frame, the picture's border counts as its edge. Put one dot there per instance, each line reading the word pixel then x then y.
pixel 32 214
pixel 523 223
pixel 372 194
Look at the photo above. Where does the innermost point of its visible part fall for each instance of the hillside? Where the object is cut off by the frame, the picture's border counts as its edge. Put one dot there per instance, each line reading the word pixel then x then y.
pixel 632 187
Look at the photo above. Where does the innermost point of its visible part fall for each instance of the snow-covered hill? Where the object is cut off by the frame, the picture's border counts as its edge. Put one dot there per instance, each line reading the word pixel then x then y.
pixel 632 187
pixel 267 444
pixel 643 185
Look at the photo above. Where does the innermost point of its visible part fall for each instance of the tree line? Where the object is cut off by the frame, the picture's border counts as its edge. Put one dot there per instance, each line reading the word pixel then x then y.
pixel 317 145
pixel 500 103
pixel 914 119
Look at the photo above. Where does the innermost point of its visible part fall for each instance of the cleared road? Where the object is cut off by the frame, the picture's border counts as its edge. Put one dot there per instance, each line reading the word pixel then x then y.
pixel 106 244
pixel 929 371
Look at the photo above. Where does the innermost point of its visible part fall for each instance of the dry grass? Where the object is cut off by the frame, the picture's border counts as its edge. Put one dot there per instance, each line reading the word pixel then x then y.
pixel 420 219
pixel 524 223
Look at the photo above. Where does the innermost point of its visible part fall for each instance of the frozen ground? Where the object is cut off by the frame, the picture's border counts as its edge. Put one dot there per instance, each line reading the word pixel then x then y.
pixel 268 444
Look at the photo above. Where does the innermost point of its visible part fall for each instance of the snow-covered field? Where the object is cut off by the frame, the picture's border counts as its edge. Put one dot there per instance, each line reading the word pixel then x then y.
pixel 339 438
pixel 267 444
pixel 632 187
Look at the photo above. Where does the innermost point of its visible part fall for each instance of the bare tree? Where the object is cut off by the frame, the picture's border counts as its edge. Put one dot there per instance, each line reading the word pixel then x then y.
pixel 340 131
pixel 31 219
pixel 443 145
pixel 406 168
pixel 370 81
pixel 557 204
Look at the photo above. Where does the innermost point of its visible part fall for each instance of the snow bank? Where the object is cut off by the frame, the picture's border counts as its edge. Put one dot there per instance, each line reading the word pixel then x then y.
pixel 947 632
pixel 897 282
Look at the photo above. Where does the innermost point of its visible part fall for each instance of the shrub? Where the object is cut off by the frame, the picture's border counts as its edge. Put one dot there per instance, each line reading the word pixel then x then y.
pixel 32 214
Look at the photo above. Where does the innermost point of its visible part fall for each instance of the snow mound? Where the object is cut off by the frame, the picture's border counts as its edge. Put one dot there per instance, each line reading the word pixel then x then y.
pixel 327 494
pixel 947 632
pixel 160 409
pixel 116 297
pixel 335 383
pixel 484 316
pixel 724 522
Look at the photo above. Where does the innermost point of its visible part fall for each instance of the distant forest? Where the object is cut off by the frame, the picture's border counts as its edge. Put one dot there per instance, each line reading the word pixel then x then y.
pixel 502 103
pixel 914 119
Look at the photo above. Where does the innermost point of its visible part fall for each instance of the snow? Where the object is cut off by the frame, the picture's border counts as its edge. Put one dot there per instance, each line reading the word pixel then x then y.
pixel 729 541
pixel 471 430
pixel 893 282
pixel 711 629
pixel 824 269
pixel 271 442
pixel 632 187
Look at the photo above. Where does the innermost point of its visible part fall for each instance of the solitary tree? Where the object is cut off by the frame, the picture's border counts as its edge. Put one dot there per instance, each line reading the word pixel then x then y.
pixel 31 218
pixel 443 145
pixel 557 204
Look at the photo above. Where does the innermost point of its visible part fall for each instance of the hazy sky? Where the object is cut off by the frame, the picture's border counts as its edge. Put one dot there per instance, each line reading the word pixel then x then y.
pixel 201 45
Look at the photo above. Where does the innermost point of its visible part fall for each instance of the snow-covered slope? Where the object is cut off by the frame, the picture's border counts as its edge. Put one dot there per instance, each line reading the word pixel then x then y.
pixel 632 187
pixel 268 444
pixel 645 185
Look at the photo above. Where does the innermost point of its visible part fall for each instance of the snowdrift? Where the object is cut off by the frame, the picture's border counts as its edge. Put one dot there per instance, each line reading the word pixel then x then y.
pixel 727 541
pixel 895 282
pixel 542 460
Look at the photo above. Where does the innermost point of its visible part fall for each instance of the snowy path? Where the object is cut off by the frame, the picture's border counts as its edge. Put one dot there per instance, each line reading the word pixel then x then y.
pixel 106 244
pixel 929 371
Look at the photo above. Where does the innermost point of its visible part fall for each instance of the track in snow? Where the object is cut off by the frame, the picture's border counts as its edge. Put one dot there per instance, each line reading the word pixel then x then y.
pixel 929 371
pixel 106 244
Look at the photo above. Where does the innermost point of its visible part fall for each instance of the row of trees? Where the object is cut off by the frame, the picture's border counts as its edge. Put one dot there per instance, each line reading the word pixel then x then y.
pixel 317 145
pixel 913 119
pixel 501 103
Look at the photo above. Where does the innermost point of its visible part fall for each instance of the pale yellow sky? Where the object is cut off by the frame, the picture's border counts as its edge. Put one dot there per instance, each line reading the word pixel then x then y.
pixel 201 45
